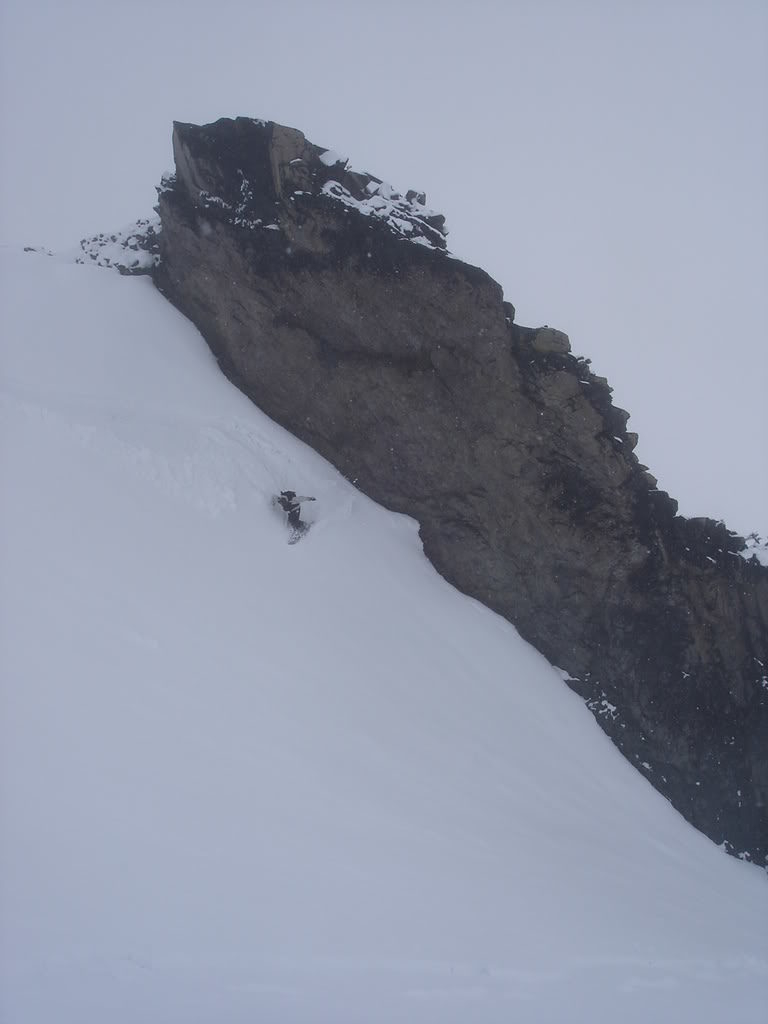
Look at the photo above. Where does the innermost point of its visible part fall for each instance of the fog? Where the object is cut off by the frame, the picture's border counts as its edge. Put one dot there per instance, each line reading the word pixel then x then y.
pixel 606 162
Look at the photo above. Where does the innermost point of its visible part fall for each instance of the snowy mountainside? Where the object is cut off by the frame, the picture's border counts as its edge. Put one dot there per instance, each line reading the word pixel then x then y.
pixel 243 780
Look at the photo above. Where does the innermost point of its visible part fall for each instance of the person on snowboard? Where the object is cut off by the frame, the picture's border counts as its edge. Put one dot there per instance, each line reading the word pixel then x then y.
pixel 290 502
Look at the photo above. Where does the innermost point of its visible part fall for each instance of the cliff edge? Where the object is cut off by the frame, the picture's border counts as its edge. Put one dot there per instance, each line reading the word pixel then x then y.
pixel 330 299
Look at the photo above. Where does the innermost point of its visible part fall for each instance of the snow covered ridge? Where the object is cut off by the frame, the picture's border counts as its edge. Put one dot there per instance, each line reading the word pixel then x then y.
pixel 132 250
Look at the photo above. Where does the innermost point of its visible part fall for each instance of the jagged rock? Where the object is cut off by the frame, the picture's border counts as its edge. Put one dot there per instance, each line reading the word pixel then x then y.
pixel 329 298
pixel 650 479
pixel 550 342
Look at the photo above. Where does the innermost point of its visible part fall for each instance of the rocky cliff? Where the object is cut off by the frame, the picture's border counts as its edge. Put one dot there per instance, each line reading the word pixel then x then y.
pixel 330 299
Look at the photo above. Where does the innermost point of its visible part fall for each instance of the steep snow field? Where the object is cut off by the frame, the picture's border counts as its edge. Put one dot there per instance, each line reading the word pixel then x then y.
pixel 246 781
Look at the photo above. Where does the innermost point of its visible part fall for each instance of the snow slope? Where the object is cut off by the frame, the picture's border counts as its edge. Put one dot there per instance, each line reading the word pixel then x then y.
pixel 248 781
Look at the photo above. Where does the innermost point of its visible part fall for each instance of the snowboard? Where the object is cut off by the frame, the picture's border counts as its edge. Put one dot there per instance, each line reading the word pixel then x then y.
pixel 297 532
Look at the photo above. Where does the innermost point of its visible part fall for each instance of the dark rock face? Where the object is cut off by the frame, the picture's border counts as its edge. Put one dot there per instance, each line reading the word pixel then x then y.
pixel 329 298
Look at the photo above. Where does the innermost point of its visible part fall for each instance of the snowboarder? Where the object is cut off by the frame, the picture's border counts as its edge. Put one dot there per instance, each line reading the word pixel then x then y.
pixel 290 502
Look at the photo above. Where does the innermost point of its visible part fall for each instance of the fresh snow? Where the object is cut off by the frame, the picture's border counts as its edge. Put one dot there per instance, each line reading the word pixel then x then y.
pixel 400 214
pixel 130 250
pixel 330 158
pixel 756 547
pixel 246 781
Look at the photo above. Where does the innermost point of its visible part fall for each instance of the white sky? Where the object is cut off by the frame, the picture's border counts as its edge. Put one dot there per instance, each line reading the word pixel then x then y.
pixel 606 161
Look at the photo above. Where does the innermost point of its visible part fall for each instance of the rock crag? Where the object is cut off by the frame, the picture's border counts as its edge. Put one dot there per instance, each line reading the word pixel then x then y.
pixel 330 299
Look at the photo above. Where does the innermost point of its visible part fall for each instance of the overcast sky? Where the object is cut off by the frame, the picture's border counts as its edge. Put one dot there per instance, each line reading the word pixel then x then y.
pixel 606 161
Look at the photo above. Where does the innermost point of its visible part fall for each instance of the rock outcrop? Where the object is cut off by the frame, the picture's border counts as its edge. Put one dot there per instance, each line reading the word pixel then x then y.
pixel 330 299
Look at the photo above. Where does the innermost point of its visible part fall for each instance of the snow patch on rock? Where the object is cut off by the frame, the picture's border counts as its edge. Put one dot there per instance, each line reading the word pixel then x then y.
pixel 330 158
pixel 407 215
pixel 132 250
pixel 756 547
